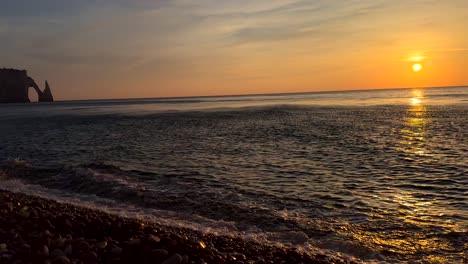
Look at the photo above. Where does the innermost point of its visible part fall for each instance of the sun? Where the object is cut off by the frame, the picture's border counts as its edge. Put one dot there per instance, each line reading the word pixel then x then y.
pixel 417 67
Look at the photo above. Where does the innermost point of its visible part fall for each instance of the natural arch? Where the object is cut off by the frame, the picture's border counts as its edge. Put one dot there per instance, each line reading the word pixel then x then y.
pixel 15 86
pixel 33 95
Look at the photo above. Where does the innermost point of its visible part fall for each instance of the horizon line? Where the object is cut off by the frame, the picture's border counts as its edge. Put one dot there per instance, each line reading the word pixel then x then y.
pixel 257 94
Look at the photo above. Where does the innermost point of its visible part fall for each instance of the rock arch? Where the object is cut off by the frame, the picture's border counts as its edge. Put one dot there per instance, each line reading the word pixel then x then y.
pixel 14 86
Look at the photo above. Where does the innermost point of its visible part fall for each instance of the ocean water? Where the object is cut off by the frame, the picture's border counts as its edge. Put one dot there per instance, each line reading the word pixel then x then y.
pixel 373 175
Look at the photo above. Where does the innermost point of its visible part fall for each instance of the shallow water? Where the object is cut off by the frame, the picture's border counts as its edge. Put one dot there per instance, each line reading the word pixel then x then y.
pixel 375 175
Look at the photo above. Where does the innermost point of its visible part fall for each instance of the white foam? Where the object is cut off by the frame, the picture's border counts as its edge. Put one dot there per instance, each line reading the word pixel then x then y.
pixel 165 217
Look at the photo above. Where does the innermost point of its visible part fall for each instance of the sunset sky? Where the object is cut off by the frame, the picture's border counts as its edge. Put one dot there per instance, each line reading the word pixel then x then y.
pixel 140 48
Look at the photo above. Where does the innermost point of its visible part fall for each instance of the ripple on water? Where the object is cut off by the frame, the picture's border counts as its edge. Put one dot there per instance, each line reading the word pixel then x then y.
pixel 386 182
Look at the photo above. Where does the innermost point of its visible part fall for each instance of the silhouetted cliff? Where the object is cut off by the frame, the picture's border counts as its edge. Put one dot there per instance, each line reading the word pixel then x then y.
pixel 14 85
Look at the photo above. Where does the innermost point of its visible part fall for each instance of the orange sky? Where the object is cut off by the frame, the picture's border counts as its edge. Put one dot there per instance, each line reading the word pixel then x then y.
pixel 127 49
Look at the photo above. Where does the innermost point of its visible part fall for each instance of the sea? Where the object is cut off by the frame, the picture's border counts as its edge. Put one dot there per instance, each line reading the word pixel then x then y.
pixel 378 176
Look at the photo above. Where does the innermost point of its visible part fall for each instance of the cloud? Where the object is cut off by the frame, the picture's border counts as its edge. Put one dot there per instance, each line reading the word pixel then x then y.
pixel 448 50
pixel 210 38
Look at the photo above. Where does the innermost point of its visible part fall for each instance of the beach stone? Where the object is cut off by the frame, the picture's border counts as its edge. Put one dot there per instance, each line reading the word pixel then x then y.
pixel 239 256
pixel 14 234
pixel 49 225
pixel 47 233
pixel 68 250
pixel 173 243
pixel 89 257
pixel 260 261
pixel 174 259
pixel 59 243
pixel 159 254
pixel 101 245
pixel 83 245
pixel 116 251
pixel 153 239
pixel 202 244
pixel 67 223
pixel 25 248
pixel 43 251
pixel 61 260
pixel 23 213
pixel 57 253
pixel 47 241
pixel 7 257
pixel 134 242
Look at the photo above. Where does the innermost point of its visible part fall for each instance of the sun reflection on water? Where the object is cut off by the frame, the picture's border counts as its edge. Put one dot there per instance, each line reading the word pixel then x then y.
pixel 413 132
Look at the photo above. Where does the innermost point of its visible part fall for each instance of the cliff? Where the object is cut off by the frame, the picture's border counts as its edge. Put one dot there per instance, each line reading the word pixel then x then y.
pixel 14 85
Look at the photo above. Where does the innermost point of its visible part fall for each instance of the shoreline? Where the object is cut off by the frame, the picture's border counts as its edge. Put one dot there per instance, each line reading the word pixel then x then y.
pixel 39 230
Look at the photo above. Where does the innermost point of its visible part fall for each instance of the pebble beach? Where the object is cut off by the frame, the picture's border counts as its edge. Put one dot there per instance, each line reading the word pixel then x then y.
pixel 37 230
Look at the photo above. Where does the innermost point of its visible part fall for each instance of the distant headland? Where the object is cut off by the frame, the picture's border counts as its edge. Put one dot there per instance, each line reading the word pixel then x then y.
pixel 14 85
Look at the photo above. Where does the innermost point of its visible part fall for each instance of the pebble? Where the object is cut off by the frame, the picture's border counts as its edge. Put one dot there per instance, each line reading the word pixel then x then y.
pixel 89 257
pixel 239 256
pixel 83 245
pixel 99 235
pixel 68 250
pixel 57 253
pixel 174 259
pixel 116 251
pixel 23 213
pixel 26 247
pixel 134 242
pixel 43 251
pixel 153 239
pixel 101 245
pixel 48 224
pixel 59 242
pixel 61 260
pixel 173 243
pixel 159 253
pixel 47 233
pixel 67 223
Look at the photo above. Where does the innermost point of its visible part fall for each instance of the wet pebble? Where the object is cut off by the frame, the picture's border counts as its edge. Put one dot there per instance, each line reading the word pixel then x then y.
pixel 174 259
pixel 89 257
pixel 116 251
pixel 153 239
pixel 59 243
pixel 47 233
pixel 57 253
pixel 159 254
pixel 82 245
pixel 134 242
pixel 68 250
pixel 61 260
pixel 23 213
pixel 101 245
pixel 43 251
pixel 103 238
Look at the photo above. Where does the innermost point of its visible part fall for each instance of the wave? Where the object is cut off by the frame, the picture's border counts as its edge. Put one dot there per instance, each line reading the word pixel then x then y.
pixel 105 187
pixel 175 199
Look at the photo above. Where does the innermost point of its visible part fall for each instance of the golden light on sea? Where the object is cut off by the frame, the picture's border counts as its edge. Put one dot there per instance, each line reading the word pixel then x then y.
pixel 415 101
pixel 417 67
pixel 417 96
